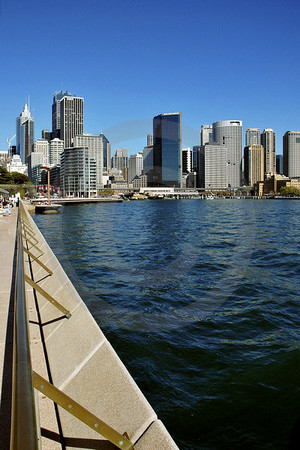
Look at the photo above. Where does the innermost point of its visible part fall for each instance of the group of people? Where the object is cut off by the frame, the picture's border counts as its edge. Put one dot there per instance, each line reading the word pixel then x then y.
pixel 6 206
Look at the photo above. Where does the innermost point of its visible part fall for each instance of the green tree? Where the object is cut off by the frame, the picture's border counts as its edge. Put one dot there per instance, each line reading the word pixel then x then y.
pixel 19 178
pixel 290 191
pixel 5 176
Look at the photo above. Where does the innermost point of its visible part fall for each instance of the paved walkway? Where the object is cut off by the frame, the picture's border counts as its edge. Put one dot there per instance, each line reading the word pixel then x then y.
pixel 7 268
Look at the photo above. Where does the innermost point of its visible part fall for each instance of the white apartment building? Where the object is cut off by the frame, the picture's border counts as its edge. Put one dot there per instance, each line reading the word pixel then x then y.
pixel 95 146
pixel 56 148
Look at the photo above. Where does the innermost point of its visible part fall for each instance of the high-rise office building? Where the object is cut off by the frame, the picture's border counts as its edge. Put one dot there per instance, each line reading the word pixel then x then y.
pixel 206 134
pixel 279 164
pixel 268 141
pixel 229 133
pixel 35 162
pixel 149 140
pixel 148 159
pixel 46 134
pixel 254 162
pixel 71 119
pixel 196 158
pixel 186 160
pixel 252 137
pixel 135 166
pixel 95 145
pixel 167 146
pixel 213 170
pixel 56 148
pixel 291 154
pixel 24 134
pixel 57 96
pixel 120 159
pixel 106 152
pixel 42 146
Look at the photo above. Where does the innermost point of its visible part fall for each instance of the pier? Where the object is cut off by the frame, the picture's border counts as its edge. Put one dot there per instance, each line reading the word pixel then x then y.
pixel 79 200
pixel 62 384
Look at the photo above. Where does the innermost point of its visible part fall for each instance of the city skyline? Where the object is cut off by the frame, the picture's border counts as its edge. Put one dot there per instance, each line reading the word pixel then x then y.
pixel 137 65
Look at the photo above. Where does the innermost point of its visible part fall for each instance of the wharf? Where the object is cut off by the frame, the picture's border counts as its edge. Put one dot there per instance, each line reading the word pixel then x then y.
pixel 69 351
pixel 76 200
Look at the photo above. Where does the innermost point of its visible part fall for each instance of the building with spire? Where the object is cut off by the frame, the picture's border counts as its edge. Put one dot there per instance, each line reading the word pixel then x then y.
pixel 24 134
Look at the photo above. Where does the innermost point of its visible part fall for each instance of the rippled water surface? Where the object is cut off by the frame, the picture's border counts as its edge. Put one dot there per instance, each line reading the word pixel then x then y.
pixel 201 301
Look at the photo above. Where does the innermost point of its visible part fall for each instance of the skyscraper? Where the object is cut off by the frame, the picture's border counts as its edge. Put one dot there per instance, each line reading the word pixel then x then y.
pixel 71 118
pixel 213 173
pixel 253 164
pixel 186 160
pixel 268 141
pixel 291 154
pixel 57 96
pixel 42 146
pixel 135 166
pixel 252 136
pixel 279 164
pixel 167 145
pixel 120 159
pixel 206 134
pixel 24 134
pixel 229 133
pixel 106 152
pixel 149 140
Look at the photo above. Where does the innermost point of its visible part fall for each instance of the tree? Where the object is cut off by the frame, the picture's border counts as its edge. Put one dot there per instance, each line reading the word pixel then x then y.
pixel 290 191
pixel 19 178
pixel 5 176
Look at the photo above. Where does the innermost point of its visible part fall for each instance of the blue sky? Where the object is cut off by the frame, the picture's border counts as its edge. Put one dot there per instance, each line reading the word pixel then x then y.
pixel 131 60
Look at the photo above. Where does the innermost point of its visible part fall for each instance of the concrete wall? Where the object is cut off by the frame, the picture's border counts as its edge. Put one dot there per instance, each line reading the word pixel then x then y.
pixel 84 365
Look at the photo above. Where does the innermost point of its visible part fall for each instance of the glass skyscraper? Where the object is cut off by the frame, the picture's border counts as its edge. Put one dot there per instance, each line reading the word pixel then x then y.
pixel 167 148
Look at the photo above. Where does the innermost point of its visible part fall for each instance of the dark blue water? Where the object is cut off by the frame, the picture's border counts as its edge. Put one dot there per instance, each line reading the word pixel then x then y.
pixel 201 301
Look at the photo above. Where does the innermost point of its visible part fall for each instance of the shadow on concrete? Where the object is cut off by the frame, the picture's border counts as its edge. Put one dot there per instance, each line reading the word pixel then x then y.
pixel 79 442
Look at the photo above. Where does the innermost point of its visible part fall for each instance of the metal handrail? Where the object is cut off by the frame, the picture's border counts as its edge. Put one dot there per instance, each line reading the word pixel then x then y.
pixel 23 420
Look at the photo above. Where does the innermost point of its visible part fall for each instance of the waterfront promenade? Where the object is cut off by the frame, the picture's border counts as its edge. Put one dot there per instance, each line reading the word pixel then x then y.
pixel 7 269
pixel 71 354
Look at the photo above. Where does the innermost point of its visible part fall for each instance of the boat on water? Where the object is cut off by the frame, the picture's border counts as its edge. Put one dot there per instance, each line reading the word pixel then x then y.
pixel 139 197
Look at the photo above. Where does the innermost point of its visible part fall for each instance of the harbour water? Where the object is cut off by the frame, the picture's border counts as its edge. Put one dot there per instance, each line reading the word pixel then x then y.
pixel 200 299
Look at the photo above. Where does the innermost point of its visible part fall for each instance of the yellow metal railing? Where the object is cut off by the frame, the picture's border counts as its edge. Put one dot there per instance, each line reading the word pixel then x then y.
pixel 23 420
pixel 24 433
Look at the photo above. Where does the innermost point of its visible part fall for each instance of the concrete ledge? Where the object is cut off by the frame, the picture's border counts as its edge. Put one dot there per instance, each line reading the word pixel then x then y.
pixel 84 365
